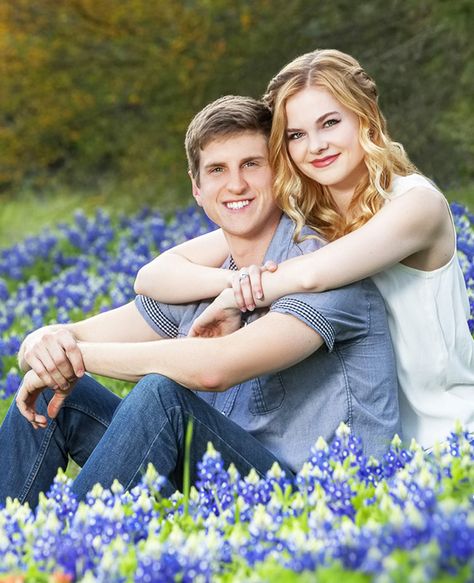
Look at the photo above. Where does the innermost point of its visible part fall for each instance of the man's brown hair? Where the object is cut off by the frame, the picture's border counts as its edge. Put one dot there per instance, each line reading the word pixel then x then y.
pixel 224 117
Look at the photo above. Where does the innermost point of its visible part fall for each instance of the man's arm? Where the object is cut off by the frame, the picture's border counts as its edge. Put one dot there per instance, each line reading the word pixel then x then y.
pixel 273 342
pixel 52 351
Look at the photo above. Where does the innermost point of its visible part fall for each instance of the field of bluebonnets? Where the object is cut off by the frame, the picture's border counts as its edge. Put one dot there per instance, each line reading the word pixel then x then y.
pixel 408 517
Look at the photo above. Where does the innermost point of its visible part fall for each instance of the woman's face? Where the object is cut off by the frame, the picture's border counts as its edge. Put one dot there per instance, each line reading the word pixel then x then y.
pixel 323 139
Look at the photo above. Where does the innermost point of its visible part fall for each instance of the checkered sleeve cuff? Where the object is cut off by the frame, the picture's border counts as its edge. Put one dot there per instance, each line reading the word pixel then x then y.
pixel 309 315
pixel 153 313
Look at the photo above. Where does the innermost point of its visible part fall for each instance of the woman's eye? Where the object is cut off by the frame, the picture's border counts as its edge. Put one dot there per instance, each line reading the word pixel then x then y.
pixel 330 122
pixel 294 135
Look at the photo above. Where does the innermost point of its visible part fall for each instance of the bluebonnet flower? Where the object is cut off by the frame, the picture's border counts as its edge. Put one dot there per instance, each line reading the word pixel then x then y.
pixel 4 293
pixel 216 486
pixel 10 384
pixel 117 534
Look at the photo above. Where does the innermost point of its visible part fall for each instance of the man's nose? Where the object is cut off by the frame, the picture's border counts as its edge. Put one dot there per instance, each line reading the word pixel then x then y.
pixel 237 183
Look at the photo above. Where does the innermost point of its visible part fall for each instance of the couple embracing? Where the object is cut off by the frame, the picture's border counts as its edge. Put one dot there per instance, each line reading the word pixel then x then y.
pixel 331 293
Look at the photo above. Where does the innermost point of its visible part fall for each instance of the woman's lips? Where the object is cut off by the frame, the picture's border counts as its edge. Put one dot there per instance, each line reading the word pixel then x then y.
pixel 323 162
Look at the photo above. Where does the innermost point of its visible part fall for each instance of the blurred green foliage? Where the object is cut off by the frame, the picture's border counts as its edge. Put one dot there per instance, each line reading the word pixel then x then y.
pixel 96 94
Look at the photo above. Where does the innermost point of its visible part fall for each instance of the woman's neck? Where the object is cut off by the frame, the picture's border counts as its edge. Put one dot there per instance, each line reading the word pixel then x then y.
pixel 342 200
pixel 343 192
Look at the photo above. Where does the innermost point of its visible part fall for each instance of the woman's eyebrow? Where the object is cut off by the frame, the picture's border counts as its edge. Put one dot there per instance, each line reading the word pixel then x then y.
pixel 319 120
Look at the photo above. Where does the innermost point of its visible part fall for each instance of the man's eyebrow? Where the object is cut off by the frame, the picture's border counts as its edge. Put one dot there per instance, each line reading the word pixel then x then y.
pixel 319 120
pixel 242 161
pixel 256 157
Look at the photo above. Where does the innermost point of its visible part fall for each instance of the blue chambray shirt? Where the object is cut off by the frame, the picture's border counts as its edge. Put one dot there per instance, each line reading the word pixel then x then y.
pixel 351 378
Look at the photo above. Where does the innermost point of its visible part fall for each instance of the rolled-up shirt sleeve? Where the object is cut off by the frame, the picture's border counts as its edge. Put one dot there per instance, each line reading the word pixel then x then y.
pixel 164 319
pixel 336 315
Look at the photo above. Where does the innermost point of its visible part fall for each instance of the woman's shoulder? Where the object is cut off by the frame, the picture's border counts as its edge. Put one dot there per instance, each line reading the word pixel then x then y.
pixel 418 201
pixel 402 184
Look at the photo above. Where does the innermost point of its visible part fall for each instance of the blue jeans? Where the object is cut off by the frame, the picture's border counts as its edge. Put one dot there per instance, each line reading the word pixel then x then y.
pixel 112 439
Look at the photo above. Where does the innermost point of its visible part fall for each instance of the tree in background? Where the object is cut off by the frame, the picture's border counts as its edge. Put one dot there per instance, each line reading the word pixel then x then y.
pixel 99 92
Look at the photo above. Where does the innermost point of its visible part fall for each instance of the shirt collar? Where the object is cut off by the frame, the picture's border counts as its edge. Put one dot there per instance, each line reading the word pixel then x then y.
pixel 279 246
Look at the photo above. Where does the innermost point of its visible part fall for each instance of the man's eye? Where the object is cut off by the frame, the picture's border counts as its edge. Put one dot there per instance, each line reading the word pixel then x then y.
pixel 330 122
pixel 250 163
pixel 294 135
pixel 216 170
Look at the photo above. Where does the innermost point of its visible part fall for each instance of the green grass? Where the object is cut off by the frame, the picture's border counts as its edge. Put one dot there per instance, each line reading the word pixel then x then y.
pixel 28 213
pixel 463 195
pixel 4 404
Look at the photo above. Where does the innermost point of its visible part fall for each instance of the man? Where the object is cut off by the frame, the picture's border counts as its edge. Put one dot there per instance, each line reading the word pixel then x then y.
pixel 265 392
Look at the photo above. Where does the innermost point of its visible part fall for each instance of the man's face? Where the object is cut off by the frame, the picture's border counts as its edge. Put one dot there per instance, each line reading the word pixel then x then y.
pixel 235 185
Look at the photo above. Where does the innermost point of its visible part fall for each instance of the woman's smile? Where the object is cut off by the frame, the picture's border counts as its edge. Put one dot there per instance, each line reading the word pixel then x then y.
pixel 323 162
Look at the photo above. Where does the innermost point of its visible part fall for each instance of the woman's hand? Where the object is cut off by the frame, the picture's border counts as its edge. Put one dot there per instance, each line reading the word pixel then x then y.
pixel 247 284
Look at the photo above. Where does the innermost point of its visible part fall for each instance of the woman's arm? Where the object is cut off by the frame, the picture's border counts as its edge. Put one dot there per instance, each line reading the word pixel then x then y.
pixel 408 225
pixel 187 273
pixel 415 224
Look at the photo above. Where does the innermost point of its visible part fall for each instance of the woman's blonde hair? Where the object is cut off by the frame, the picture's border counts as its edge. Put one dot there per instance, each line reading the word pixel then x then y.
pixel 305 200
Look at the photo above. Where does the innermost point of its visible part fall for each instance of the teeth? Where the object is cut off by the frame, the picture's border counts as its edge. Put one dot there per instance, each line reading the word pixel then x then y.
pixel 237 205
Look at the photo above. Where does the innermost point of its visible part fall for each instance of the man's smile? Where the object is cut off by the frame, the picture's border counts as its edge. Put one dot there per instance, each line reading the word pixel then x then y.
pixel 237 204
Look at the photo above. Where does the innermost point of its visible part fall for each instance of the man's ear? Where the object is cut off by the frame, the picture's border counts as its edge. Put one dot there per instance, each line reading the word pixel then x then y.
pixel 195 189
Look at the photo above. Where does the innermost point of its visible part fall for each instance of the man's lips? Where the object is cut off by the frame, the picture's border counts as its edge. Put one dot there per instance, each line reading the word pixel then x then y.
pixel 323 162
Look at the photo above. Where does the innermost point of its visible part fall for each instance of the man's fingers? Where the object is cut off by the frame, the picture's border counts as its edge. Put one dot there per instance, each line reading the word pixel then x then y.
pixel 43 365
pixel 74 355
pixel 56 358
pixel 39 368
pixel 60 361
pixel 54 406
pixel 39 421
pixel 26 400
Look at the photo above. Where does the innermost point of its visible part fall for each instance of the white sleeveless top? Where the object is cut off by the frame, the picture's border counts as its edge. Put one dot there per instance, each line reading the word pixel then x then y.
pixel 428 312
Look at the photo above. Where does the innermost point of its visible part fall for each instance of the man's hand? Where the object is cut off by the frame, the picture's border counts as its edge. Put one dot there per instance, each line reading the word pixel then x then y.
pixel 222 317
pixel 54 355
pixel 28 393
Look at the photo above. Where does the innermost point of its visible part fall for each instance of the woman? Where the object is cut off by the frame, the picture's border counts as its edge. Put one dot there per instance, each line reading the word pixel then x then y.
pixel 337 170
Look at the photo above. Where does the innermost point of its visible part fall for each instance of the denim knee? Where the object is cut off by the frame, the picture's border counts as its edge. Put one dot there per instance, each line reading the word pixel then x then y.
pixel 155 390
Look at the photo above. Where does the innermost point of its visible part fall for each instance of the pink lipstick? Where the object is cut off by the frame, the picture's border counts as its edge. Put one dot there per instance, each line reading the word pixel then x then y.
pixel 323 162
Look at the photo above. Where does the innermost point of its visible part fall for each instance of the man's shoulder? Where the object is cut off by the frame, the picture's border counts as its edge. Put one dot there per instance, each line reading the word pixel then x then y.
pixel 306 242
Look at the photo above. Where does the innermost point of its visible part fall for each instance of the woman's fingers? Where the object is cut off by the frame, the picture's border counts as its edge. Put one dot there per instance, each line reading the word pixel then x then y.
pixel 247 285
pixel 236 286
pixel 245 281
